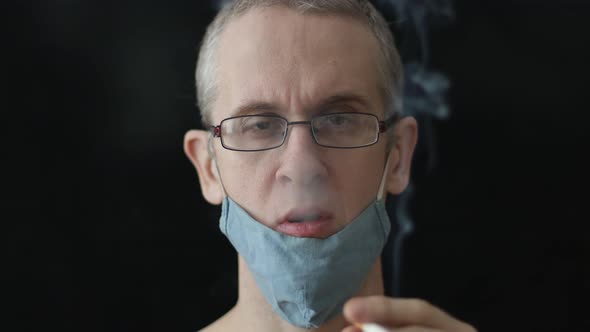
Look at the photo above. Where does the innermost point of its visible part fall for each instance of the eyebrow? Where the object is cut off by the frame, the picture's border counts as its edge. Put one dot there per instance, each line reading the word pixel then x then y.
pixel 341 98
pixel 255 107
pixel 344 98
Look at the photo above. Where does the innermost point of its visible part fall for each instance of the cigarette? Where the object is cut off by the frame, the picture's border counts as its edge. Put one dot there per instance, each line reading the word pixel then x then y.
pixel 370 327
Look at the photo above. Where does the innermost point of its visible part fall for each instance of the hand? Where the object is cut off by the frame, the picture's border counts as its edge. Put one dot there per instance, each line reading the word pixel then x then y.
pixel 401 315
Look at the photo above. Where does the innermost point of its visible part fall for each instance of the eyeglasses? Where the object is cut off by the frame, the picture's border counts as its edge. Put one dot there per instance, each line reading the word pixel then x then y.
pixel 335 130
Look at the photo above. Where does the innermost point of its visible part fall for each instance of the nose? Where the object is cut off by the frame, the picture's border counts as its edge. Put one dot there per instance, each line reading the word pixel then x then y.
pixel 301 161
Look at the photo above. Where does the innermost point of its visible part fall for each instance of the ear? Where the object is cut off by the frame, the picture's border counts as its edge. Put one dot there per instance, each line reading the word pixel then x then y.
pixel 195 148
pixel 400 157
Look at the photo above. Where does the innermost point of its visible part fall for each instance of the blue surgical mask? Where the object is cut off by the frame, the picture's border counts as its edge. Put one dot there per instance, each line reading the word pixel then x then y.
pixel 308 280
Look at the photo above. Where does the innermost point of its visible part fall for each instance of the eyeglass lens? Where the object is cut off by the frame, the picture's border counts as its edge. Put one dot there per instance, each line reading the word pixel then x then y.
pixel 261 132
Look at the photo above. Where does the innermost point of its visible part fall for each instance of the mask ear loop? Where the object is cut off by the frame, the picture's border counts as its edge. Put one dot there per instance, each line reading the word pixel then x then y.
pixel 380 193
pixel 212 155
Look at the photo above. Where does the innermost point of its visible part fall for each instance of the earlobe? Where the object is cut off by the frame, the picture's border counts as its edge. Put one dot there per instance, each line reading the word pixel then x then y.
pixel 400 158
pixel 196 149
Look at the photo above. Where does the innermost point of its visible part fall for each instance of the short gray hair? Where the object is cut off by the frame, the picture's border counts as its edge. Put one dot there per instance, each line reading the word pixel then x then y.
pixel 390 68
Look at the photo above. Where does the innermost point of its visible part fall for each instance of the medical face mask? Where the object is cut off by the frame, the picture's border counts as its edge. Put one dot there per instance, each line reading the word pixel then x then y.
pixel 308 280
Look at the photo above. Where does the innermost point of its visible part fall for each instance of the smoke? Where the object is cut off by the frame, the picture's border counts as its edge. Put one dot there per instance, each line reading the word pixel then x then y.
pixel 218 4
pixel 424 97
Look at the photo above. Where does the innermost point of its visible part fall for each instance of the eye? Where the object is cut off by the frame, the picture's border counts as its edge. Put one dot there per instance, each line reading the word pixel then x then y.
pixel 259 126
pixel 338 120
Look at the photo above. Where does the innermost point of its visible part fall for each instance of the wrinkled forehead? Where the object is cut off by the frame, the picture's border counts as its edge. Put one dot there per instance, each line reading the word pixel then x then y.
pixel 277 55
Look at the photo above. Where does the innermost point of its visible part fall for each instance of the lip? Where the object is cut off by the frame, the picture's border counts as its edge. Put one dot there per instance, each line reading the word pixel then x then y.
pixel 320 226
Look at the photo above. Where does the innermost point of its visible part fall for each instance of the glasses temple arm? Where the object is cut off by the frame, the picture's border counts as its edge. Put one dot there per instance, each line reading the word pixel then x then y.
pixel 386 124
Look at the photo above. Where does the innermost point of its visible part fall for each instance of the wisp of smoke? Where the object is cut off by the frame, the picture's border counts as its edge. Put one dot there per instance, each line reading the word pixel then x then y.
pixel 424 98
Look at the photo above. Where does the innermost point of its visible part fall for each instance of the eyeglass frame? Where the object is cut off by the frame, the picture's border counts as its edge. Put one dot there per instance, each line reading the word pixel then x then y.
pixel 384 125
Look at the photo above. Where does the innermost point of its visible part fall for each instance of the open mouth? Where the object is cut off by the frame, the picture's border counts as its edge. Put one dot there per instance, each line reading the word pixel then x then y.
pixel 310 217
pixel 316 224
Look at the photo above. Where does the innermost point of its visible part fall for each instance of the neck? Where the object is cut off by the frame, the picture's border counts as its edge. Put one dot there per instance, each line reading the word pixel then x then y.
pixel 253 313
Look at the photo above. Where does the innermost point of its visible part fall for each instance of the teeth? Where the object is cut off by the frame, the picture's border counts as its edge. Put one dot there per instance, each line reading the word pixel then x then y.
pixel 305 218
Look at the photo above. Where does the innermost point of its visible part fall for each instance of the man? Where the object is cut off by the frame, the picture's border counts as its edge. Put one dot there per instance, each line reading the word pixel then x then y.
pixel 302 99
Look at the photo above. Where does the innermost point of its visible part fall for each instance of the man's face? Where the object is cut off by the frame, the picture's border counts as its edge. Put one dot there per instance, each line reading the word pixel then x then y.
pixel 276 61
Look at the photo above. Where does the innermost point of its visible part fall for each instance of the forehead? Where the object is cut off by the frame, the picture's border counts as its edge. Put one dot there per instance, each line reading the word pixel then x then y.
pixel 278 56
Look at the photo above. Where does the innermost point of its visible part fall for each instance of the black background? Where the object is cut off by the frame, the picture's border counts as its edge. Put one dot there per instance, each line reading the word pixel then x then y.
pixel 107 229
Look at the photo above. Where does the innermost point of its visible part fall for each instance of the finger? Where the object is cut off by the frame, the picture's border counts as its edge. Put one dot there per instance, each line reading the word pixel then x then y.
pixel 401 312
